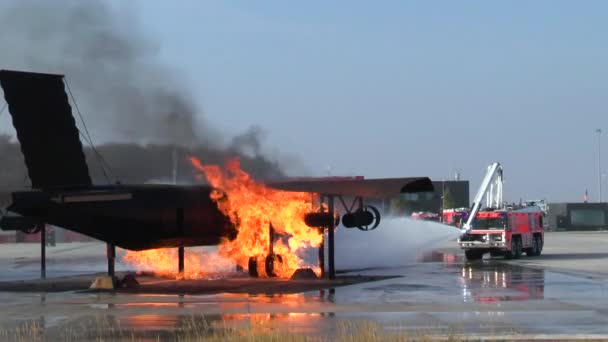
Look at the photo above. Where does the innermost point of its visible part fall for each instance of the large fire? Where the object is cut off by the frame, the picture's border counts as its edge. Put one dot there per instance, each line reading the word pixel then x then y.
pixel 163 262
pixel 252 207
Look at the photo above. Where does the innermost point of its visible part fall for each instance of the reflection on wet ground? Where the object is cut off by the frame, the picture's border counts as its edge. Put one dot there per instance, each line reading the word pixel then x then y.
pixel 440 293
pixel 483 283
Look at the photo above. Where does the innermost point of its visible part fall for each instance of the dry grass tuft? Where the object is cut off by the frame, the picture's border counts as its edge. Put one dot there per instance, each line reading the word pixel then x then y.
pixel 104 328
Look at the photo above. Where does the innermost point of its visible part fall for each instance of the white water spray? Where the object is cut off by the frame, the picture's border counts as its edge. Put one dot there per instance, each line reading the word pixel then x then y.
pixel 396 242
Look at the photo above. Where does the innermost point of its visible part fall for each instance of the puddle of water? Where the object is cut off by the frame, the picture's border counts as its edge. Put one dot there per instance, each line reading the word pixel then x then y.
pixel 489 282
pixel 439 256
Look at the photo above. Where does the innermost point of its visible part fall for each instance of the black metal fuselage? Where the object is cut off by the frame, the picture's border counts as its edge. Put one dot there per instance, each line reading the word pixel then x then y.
pixel 134 217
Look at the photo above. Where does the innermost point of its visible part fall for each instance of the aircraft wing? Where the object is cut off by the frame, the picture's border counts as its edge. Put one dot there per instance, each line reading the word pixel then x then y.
pixel 367 188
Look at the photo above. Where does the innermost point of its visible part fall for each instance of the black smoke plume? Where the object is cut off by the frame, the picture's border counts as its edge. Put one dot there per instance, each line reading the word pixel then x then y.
pixel 113 70
pixel 136 108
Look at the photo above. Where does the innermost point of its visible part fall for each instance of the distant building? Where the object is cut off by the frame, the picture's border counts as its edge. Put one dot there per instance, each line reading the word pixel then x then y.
pixel 577 216
pixel 448 194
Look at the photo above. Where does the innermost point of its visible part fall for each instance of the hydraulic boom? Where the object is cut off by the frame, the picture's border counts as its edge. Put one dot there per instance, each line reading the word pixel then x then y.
pixel 490 186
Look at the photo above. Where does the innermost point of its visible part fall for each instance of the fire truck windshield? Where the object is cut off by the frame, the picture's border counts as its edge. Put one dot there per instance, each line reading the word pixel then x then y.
pixel 489 223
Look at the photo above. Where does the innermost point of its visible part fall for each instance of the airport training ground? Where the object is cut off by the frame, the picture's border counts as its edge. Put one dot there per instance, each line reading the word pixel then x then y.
pixel 562 295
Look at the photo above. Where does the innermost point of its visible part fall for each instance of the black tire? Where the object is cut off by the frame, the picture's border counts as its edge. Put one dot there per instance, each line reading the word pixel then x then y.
pixel 253 267
pixel 472 255
pixel 519 250
pixel 270 261
pixel 512 254
pixel 540 244
pixel 533 251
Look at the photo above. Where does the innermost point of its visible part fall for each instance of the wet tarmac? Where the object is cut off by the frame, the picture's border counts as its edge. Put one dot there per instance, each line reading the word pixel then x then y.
pixel 438 294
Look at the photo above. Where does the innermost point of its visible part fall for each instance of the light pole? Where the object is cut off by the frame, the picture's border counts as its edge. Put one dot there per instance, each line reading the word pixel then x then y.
pixel 599 163
pixel 442 197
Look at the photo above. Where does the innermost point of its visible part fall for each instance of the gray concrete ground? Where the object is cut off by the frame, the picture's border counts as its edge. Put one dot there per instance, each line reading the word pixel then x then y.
pixel 582 252
pixel 20 261
pixel 562 294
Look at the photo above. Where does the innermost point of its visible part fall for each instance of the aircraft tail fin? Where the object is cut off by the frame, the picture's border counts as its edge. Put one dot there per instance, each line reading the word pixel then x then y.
pixel 46 130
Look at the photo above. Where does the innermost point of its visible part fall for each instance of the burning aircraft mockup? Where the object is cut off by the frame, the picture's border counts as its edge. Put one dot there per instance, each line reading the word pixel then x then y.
pixel 144 216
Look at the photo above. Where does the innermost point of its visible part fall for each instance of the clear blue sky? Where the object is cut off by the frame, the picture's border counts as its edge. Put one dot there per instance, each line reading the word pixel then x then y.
pixel 404 88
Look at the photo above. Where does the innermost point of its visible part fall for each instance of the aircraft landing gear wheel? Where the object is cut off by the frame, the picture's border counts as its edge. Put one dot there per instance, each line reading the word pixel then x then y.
pixel 253 267
pixel 472 254
pixel 270 261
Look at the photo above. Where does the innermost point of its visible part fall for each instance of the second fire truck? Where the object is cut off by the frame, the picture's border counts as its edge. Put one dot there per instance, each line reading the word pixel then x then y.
pixel 500 230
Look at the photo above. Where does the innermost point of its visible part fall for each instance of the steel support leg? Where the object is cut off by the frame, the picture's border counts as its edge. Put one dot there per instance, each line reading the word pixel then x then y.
pixel 180 261
pixel 179 221
pixel 111 252
pixel 330 239
pixel 42 251
pixel 322 245
pixel 322 254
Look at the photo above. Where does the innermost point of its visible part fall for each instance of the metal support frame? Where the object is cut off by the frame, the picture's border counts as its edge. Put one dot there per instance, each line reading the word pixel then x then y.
pixel 321 251
pixel 357 204
pixel 42 250
pixel 179 222
pixel 111 253
pixel 330 273
pixel 357 201
pixel 322 254
pixel 180 261
pixel 599 163
pixel 270 239
pixel 330 240
pixel 330 199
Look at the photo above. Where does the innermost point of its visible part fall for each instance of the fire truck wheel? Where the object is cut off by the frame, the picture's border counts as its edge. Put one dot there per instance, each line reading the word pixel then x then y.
pixel 533 251
pixel 472 254
pixel 518 249
pixel 515 251
pixel 540 244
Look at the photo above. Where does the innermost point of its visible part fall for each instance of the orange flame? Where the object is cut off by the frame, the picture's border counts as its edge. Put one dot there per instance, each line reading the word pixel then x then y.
pixel 252 207
pixel 163 262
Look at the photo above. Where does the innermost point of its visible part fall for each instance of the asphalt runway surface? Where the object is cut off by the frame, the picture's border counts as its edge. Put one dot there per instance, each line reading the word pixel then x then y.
pixel 562 294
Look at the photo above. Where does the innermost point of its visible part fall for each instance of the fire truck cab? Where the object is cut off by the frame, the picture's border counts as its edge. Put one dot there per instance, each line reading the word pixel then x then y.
pixel 506 233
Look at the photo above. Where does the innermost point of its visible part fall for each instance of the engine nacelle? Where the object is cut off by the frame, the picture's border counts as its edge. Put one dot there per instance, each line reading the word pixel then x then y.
pixel 22 223
pixel 357 218
pixel 367 218
pixel 320 219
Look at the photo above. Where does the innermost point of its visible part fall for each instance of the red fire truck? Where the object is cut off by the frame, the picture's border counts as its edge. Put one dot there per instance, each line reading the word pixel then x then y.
pixel 455 217
pixel 506 233
pixel 500 230
pixel 425 216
